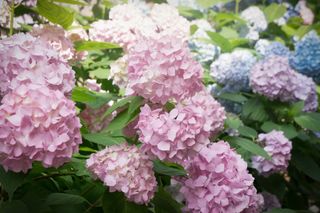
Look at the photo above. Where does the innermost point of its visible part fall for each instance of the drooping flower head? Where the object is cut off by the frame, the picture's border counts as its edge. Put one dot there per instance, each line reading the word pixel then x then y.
pixel 57 37
pixel 126 169
pixel 218 181
pixel 232 69
pixel 181 133
pixel 37 124
pixel 306 57
pixel 274 78
pixel 26 59
pixel 279 149
pixel 162 68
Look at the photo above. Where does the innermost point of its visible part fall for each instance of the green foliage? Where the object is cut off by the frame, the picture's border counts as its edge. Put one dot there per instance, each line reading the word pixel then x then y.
pixel 163 202
pixel 10 181
pixel 103 138
pixel 274 11
pixel 309 121
pixel 169 169
pixel 55 13
pixel 94 45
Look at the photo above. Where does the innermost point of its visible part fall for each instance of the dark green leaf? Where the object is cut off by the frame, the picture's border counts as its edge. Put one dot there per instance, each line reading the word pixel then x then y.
pixel 103 138
pixel 168 168
pixel 254 110
pixel 121 120
pixel 94 45
pixel 247 131
pixel 281 211
pixel 306 164
pixel 117 203
pixel 15 206
pixel 135 103
pixel 55 13
pixel 93 99
pixel 288 129
pixel 233 97
pixel 164 203
pixel 250 146
pixel 75 2
pixel 274 11
pixel 62 198
pixel 219 40
pixel 309 121
pixel 296 108
pixel 118 105
pixel 11 181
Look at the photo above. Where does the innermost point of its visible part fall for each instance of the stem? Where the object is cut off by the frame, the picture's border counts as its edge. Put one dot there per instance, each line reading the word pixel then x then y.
pixel 236 10
pixel 11 17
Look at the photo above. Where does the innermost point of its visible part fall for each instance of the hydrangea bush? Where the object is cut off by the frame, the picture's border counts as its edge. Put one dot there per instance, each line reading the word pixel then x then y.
pixel 159 106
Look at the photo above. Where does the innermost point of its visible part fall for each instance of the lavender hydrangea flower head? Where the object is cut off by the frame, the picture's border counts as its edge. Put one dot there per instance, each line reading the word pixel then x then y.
pixel 218 181
pixel 306 57
pixel 37 124
pixel 279 149
pixel 126 169
pixel 232 69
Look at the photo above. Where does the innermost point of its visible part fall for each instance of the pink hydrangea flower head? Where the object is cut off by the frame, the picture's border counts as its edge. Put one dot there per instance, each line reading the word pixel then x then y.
pixel 37 124
pixel 126 169
pixel 93 85
pixel 26 59
pixel 279 149
pixel 125 12
pixel 305 12
pixel 275 79
pixel 57 37
pixel 257 206
pixel 77 33
pixel 181 133
pixel 218 181
pixel 161 68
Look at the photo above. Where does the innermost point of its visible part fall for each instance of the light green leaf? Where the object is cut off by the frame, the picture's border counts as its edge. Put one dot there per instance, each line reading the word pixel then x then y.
pixel 249 146
pixel 233 97
pixel 63 198
pixel 189 12
pixel 135 103
pixel 238 42
pixel 55 13
pixel 75 2
pixel 219 40
pixel 94 45
pixel 103 138
pixel 11 181
pixel 233 122
pixel 306 164
pixel 164 203
pixel 100 73
pixel 210 3
pixel 229 33
pixel 169 169
pixel 309 121
pixel 93 99
pixel 247 132
pixel 228 17
pixel 274 11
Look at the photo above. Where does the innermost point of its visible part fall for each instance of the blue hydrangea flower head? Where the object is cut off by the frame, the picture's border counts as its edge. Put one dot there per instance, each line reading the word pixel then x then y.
pixel 306 57
pixel 277 48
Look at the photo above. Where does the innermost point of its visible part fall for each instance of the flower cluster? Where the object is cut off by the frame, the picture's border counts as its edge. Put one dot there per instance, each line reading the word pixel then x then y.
pixel 279 149
pixel 306 57
pixel 57 38
pixel 177 135
pixel 256 21
pixel 161 68
pixel 218 181
pixel 305 12
pixel 277 48
pixel 26 59
pixel 126 169
pixel 204 51
pixel 37 124
pixel 118 72
pixel 127 23
pixel 186 3
pixel 232 69
pixel 274 79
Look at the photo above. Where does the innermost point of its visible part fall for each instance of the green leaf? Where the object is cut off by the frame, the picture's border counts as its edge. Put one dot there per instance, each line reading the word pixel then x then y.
pixel 233 122
pixel 135 103
pixel 94 45
pixel 274 11
pixel 55 13
pixel 15 206
pixel 309 121
pixel 296 108
pixel 229 33
pixel 169 169
pixel 248 132
pixel 221 41
pixel 118 105
pixel 238 42
pixel 11 181
pixel 233 97
pixel 93 99
pixel 288 129
pixel 254 110
pixel 103 138
pixel 164 203
pixel 117 203
pixel 62 199
pixel 75 2
pixel 228 17
pixel 193 29
pixel 99 73
pixel 210 3
pixel 306 164
pixel 190 13
pixel 277 210
pixel 121 120
pixel 249 146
